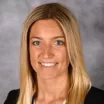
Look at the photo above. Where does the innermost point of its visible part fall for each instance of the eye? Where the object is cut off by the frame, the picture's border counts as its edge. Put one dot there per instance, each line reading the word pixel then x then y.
pixel 36 43
pixel 59 42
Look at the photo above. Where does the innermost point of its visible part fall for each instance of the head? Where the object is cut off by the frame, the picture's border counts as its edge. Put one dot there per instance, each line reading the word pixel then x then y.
pixel 47 49
pixel 51 32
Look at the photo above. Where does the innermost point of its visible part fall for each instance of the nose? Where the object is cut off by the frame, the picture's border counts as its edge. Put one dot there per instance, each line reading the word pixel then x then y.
pixel 47 52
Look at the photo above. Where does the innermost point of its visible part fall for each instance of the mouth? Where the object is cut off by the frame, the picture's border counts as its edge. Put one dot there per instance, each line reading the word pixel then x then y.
pixel 48 64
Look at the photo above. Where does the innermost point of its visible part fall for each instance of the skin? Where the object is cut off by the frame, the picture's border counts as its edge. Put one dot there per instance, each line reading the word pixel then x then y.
pixel 47 44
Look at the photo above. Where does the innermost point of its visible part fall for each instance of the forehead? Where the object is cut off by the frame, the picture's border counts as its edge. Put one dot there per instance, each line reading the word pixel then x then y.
pixel 48 27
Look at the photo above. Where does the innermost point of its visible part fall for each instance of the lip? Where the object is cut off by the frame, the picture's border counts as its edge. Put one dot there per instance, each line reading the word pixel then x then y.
pixel 47 62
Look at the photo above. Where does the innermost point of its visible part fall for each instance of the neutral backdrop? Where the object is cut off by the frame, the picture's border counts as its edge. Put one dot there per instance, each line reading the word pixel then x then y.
pixel 90 15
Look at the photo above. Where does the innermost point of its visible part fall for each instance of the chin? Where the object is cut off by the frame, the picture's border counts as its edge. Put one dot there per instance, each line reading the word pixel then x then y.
pixel 47 76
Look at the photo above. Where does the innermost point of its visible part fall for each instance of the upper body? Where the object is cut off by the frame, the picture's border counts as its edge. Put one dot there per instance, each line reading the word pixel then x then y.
pixel 94 96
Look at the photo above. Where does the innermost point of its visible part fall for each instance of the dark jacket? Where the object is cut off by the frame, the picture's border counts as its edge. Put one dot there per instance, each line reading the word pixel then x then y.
pixel 94 96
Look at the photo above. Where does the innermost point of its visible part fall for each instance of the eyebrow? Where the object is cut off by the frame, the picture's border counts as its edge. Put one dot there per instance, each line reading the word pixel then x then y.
pixel 42 38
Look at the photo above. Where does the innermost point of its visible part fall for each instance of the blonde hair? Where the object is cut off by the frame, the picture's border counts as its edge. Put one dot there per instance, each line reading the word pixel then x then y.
pixel 80 82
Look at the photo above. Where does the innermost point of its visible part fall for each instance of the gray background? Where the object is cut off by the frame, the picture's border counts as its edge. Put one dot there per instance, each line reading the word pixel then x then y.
pixel 90 14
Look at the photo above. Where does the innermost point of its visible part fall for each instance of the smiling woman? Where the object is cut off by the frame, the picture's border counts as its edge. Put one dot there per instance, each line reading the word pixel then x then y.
pixel 52 63
pixel 48 55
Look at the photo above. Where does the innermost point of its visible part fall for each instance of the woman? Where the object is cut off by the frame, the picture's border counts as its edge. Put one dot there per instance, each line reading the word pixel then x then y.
pixel 52 64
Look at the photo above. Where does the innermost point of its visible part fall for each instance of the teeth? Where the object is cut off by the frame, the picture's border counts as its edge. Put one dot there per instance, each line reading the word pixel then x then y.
pixel 48 64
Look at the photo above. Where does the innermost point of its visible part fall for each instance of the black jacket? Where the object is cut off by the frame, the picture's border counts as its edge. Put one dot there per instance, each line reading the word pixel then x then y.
pixel 94 96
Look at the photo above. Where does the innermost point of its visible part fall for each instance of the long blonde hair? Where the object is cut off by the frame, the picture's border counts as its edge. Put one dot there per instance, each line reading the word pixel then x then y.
pixel 80 82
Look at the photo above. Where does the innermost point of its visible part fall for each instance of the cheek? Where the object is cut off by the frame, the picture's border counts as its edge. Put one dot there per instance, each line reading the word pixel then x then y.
pixel 64 58
pixel 62 54
pixel 34 53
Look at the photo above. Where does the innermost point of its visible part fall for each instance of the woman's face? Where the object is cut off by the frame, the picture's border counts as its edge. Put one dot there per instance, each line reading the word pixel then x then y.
pixel 47 46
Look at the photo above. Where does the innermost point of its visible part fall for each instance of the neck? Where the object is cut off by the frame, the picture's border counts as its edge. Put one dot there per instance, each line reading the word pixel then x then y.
pixel 55 88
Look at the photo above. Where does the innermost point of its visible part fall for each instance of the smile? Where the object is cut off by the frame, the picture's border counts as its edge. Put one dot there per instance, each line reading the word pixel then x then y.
pixel 47 64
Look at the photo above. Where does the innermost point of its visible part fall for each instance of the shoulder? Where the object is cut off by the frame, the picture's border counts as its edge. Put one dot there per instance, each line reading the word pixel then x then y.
pixel 12 97
pixel 95 96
